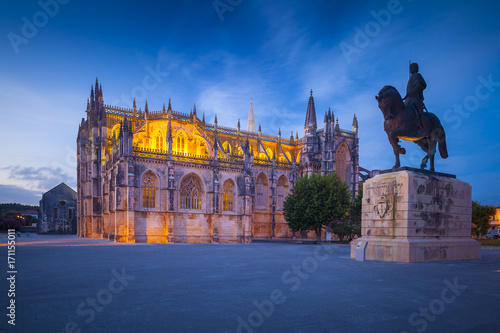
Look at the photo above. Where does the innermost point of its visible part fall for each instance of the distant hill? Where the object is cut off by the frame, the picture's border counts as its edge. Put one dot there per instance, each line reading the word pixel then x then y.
pixel 6 207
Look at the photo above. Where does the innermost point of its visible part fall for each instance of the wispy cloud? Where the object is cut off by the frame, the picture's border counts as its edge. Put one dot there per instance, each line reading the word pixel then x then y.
pixel 38 179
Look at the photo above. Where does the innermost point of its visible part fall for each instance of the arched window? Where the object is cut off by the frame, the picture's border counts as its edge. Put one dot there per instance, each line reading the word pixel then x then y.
pixel 191 192
pixel 200 146
pixel 227 196
pixel 341 159
pixel 261 195
pixel 180 142
pixel 159 138
pixel 149 190
pixel 227 147
pixel 269 153
pixel 282 191
pixel 115 132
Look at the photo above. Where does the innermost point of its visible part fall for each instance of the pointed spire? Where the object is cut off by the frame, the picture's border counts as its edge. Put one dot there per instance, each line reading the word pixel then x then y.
pixel 194 109
pixel 291 136
pixel 96 87
pixel 311 114
pixel 215 121
pixel 329 114
pixel 326 117
pixel 88 104
pixel 354 123
pixel 251 120
pixel 279 132
pixel 169 109
pixel 134 108
pixel 337 127
pixel 296 136
pixel 260 130
pixel 100 90
pixel 203 117
pixel 163 110
pixel 92 98
pixel 238 123
pixel 146 109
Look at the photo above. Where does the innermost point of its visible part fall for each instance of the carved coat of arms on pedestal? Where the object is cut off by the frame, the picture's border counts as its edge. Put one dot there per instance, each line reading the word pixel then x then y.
pixel 383 207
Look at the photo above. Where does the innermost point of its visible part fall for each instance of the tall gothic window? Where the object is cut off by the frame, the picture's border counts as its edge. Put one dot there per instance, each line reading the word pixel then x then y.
pixel 148 190
pixel 191 193
pixel 159 140
pixel 115 131
pixel 261 197
pixel 282 191
pixel 181 143
pixel 227 147
pixel 227 196
pixel 341 158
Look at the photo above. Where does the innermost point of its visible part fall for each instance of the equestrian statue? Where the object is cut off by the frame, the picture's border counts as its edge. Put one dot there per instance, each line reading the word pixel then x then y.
pixel 405 119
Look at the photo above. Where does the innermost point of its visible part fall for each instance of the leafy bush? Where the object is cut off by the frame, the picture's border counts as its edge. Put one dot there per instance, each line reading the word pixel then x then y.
pixel 316 201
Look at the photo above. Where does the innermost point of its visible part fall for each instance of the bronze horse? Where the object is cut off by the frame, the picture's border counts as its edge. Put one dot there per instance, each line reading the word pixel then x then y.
pixel 402 124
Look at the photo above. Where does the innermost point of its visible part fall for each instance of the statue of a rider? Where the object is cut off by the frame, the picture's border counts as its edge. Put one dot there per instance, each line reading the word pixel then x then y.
pixel 414 99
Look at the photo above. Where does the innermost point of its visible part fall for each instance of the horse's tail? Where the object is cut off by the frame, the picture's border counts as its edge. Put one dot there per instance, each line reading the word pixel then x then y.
pixel 438 134
pixel 441 137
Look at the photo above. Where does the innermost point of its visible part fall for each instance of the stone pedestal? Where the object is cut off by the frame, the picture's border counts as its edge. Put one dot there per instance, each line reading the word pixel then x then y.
pixel 412 215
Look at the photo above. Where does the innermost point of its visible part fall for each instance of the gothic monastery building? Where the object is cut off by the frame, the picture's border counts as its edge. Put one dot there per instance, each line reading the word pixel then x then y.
pixel 167 176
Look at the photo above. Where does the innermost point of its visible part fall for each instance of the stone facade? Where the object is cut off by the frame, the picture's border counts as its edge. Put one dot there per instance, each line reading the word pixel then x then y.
pixel 168 176
pixel 58 213
pixel 415 215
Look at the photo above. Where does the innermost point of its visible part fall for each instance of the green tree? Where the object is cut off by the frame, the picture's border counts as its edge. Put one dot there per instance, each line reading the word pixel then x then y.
pixel 342 227
pixel 355 212
pixel 481 217
pixel 315 202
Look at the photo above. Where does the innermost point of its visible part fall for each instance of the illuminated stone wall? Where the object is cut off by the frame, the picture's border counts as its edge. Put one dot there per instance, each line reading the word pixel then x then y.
pixel 168 176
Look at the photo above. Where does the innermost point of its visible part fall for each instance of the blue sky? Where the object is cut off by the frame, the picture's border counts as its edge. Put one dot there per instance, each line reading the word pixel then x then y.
pixel 221 54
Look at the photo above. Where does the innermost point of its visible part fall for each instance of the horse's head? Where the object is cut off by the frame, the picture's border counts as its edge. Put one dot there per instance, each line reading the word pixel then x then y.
pixel 387 97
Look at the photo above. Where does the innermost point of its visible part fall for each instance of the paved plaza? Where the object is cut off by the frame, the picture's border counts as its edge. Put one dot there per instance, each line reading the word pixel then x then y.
pixel 69 284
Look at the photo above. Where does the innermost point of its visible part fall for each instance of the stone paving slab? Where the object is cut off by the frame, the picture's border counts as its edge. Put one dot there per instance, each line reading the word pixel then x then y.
pixel 67 284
